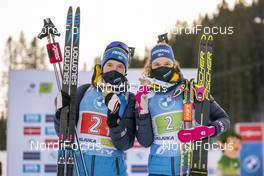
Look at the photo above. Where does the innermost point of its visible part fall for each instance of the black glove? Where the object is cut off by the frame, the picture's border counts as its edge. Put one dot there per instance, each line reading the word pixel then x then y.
pixel 113 104
pixel 113 120
pixel 219 127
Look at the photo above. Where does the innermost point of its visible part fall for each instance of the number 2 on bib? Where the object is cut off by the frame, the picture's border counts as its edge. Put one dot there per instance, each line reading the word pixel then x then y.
pixel 94 124
pixel 167 123
pixel 170 122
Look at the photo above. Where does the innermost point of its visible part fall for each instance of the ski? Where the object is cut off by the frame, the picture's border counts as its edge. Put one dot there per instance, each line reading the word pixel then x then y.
pixel 62 155
pixel 202 104
pixel 66 155
pixel 73 91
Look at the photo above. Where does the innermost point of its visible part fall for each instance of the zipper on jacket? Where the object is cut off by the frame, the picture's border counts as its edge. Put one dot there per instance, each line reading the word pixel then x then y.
pixel 172 167
pixel 117 167
pixel 92 165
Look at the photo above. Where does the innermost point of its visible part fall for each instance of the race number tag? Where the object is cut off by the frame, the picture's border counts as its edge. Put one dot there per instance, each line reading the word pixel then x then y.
pixel 94 124
pixel 166 127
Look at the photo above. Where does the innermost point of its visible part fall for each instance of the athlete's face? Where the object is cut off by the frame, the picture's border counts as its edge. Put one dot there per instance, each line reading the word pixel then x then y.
pixel 161 62
pixel 114 65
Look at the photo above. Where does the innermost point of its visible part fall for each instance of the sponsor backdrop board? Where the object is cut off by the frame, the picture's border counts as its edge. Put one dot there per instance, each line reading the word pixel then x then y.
pixel 252 161
pixel 30 121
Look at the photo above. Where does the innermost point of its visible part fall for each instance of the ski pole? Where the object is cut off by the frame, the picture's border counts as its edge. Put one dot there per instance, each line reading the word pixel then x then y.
pixel 50 31
pixel 187 118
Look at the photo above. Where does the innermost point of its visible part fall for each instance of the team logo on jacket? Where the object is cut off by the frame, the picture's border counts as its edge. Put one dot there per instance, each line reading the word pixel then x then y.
pixel 99 103
pixel 166 102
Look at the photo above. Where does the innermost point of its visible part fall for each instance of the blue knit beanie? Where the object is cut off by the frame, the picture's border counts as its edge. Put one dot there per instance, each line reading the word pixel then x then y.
pixel 117 54
pixel 161 50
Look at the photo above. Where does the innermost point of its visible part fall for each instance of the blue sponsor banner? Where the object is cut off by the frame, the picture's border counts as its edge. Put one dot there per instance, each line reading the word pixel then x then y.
pixel 50 168
pixel 50 131
pixel 32 118
pixel 31 168
pixel 139 168
pixel 31 155
pixel 252 159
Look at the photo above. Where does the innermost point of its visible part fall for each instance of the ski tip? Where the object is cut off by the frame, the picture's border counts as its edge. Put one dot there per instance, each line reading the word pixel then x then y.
pixel 77 16
pixel 78 10
pixel 70 9
pixel 203 37
pixel 211 38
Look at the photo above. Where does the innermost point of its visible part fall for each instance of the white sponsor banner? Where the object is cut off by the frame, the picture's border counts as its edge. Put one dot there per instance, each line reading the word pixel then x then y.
pixel 30 122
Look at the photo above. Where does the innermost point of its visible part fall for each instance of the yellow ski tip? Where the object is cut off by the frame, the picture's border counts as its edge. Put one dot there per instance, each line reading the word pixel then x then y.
pixel 203 37
pixel 210 37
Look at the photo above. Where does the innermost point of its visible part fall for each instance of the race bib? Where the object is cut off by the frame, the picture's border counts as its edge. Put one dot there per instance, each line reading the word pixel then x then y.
pixel 93 128
pixel 94 123
pixel 166 126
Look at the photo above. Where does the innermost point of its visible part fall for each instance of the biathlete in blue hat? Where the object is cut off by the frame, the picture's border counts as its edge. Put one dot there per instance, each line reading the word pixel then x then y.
pixel 106 116
pixel 166 112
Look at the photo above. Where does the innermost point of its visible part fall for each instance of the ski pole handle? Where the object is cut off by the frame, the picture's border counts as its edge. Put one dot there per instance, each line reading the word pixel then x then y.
pixel 48 29
pixel 163 38
pixel 196 133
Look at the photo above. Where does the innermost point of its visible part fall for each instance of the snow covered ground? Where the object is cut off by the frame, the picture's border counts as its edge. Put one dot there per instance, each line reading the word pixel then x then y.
pixel 3 156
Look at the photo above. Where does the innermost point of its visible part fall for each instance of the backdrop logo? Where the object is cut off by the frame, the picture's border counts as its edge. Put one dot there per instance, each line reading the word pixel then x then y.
pixel 32 130
pixel 50 168
pixel 49 118
pixel 31 168
pixel 50 131
pixel 31 88
pixel 45 87
pixel 32 118
pixel 31 156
